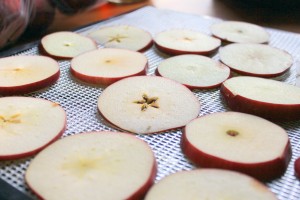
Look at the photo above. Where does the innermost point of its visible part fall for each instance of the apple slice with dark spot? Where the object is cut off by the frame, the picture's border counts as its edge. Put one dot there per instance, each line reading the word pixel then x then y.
pixel 239 142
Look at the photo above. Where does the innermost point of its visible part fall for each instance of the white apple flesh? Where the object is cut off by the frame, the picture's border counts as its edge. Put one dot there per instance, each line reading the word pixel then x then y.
pixel 108 65
pixel 267 98
pixel 256 59
pixel 194 71
pixel 148 104
pixel 240 32
pixel 209 184
pixel 123 37
pixel 66 45
pixel 94 165
pixel 181 41
pixel 238 141
pixel 24 74
pixel 25 128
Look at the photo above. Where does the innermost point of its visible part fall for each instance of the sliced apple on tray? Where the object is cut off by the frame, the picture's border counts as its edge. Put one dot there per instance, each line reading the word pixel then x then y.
pixel 25 128
pixel 194 71
pixel 181 41
pixel 237 141
pixel 108 65
pixel 24 74
pixel 209 184
pixel 123 37
pixel 256 59
pixel 94 165
pixel 66 45
pixel 267 98
pixel 148 104
pixel 240 32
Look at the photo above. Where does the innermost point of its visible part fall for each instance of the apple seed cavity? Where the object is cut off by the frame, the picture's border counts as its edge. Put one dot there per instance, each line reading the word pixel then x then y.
pixel 146 102
pixel 11 119
pixel 117 38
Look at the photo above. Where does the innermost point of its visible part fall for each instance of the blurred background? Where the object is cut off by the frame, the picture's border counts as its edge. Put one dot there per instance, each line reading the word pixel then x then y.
pixel 22 21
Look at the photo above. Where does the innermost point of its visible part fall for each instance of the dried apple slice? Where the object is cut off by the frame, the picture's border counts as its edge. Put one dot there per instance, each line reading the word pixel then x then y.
pixel 240 32
pixel 25 128
pixel 256 59
pixel 180 41
pixel 24 74
pixel 148 104
pixel 213 141
pixel 194 71
pixel 106 66
pixel 95 165
pixel 209 184
pixel 263 97
pixel 123 37
pixel 66 45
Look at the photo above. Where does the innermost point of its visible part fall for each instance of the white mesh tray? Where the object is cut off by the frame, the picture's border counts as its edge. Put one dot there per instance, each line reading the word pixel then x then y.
pixel 80 101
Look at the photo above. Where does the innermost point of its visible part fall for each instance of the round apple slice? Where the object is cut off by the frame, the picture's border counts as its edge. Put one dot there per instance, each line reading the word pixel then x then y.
pixel 24 74
pixel 240 32
pixel 194 71
pixel 256 59
pixel 263 97
pixel 123 37
pixel 106 66
pixel 209 184
pixel 238 141
pixel 180 41
pixel 25 128
pixel 95 165
pixel 148 104
pixel 66 45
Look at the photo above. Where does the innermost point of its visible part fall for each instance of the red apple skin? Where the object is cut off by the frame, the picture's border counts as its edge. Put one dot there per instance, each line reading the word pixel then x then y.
pixel 35 151
pixel 179 52
pixel 32 87
pixel 191 87
pixel 297 167
pixel 264 171
pixel 103 81
pixel 148 46
pixel 271 111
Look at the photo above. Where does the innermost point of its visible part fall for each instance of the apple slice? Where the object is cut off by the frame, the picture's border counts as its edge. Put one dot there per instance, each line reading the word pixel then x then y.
pixel 194 71
pixel 229 140
pixel 123 37
pixel 106 66
pixel 256 59
pixel 209 184
pixel 240 32
pixel 297 167
pixel 148 104
pixel 180 41
pixel 263 97
pixel 66 45
pixel 25 128
pixel 95 165
pixel 24 74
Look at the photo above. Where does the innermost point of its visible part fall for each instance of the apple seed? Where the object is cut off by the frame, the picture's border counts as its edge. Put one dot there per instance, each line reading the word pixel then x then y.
pixel 232 133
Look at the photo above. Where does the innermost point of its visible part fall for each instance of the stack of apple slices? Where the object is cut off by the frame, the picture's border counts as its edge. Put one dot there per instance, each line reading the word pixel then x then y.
pixel 181 41
pixel 148 104
pixel 194 71
pixel 24 123
pixel 108 65
pixel 256 59
pixel 238 141
pixel 24 74
pixel 262 97
pixel 123 37
pixel 66 45
pixel 239 32
pixel 94 165
pixel 208 184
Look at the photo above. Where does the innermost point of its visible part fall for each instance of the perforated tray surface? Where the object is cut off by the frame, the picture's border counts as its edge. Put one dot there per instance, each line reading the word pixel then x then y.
pixel 80 101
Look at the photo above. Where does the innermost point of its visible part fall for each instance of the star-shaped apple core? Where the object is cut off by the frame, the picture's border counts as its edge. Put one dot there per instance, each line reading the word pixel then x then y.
pixel 11 119
pixel 147 101
pixel 117 38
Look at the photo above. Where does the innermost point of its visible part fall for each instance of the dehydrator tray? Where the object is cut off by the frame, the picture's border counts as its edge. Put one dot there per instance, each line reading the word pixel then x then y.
pixel 80 100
